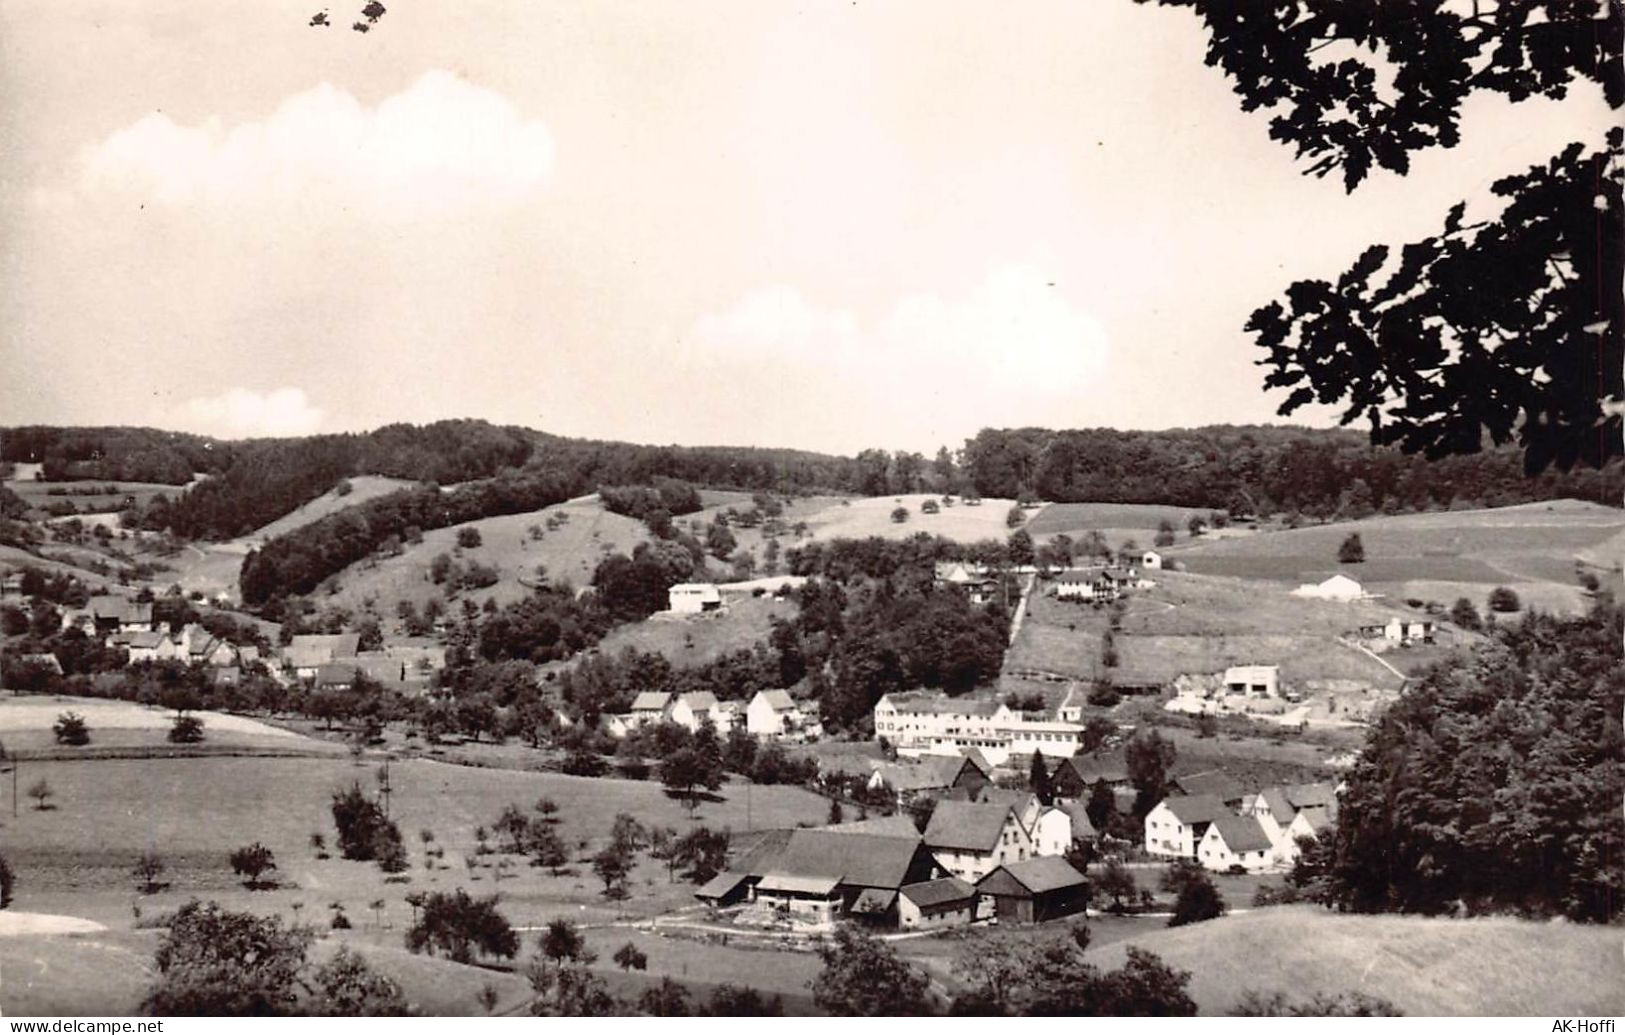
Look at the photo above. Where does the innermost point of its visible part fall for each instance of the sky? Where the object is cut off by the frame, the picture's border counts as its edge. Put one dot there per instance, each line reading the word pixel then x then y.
pixel 830 226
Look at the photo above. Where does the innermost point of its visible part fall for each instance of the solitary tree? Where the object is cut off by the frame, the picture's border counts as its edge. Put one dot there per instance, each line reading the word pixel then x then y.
pixel 1352 551
pixel 1196 897
pixel 70 729
pixel 1117 881
pixel 40 790
pixel 186 729
pixel 251 861
pixel 629 958
pixel 562 942
pixel 148 868
pixel 612 867
pixel 1465 615
pixel 899 514
pixel 1504 600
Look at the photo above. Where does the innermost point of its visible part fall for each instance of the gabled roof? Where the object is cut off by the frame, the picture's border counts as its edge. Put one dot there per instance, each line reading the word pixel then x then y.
pixel 1199 808
pixel 1043 873
pixel 797 884
pixel 1018 800
pixel 1311 795
pixel 864 860
pixel 720 885
pixel 1220 785
pixel 1275 801
pixel 928 774
pixel 896 825
pixel 1242 833
pixel 778 700
pixel 966 825
pixel 699 700
pixel 310 650
pixel 873 901
pixel 1111 767
pixel 650 701
pixel 1082 825
pixel 940 892
pixel 1315 820
pixel 336 672
pixel 145 640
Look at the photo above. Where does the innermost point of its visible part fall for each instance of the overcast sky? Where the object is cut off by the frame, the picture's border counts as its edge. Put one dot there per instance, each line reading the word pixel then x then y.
pixel 828 225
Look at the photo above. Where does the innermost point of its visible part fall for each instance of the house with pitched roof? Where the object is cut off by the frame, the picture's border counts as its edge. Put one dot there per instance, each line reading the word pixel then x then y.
pixel 944 902
pixel 1211 782
pixel 971 839
pixel 692 598
pixel 308 652
pixel 1338 587
pixel 1024 804
pixel 773 713
pixel 816 877
pixel 1033 891
pixel 1176 826
pixel 970 579
pixel 1059 827
pixel 648 708
pixel 114 614
pixel 1232 841
pixel 936 776
pixel 693 710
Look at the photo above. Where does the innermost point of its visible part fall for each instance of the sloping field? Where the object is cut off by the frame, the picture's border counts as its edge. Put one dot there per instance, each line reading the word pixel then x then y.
pixel 1424 966
pixel 571 550
pixel 88 497
pixel 363 488
pixel 25 725
pixel 1183 604
pixel 1116 521
pixel 1159 659
pixel 696 639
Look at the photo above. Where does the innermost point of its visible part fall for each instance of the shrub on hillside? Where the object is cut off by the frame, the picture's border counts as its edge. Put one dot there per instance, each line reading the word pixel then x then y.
pixel 457 926
pixel 71 729
pixel 1504 600
pixel 186 729
pixel 1352 551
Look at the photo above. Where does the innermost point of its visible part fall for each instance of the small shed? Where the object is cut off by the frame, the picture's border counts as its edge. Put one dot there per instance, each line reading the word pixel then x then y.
pixel 1043 888
pixel 947 902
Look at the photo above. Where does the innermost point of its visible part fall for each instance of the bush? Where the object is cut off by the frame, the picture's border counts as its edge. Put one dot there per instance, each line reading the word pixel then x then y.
pixel 70 729
pixel 468 537
pixel 187 729
pixel 1352 551
pixel 1504 600
pixel 251 861
pixel 899 515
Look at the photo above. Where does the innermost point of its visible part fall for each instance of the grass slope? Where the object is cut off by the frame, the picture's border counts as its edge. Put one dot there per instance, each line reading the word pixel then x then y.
pixel 1438 556
pixel 1425 966
pixel 696 639
pixel 363 488
pixel 571 551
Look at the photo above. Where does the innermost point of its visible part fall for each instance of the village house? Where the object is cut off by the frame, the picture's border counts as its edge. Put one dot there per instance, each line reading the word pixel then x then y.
pixel 1151 560
pixel 772 713
pixel 692 710
pixel 816 877
pixel 1058 827
pixel 934 776
pixel 1176 826
pixel 920 722
pixel 1403 631
pixel 113 614
pixel 692 598
pixel 1339 587
pixel 944 902
pixel 1233 841
pixel 1024 804
pixel 335 675
pixel 970 839
pixel 728 715
pixel 146 646
pixel 308 652
pixel 1253 680
pixel 1290 812
pixel 11 585
pixel 1071 708
pixel 971 579
pixel 1033 891
pixel 648 708
pixel 1090 586
pixel 1074 778
pixel 1304 825
pixel 1211 783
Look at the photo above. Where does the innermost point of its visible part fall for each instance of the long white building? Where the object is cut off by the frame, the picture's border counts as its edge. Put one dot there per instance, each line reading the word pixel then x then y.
pixel 925 723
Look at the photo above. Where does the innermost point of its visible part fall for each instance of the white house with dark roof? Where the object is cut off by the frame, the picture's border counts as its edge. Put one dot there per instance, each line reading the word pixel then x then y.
pixel 692 598
pixel 1176 826
pixel 772 713
pixel 971 839
pixel 1233 841
pixel 693 710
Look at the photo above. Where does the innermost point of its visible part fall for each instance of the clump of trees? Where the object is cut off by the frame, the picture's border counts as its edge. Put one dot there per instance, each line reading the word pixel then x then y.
pixel 1021 978
pixel 365 833
pixel 458 926
pixel 1195 896
pixel 252 862
pixel 1521 735
pixel 1352 550
pixel 214 962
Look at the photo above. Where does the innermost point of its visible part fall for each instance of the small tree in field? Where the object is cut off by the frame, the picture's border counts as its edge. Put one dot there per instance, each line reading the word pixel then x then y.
pixel 186 729
pixel 1352 551
pixel 899 515
pixel 612 866
pixel 1465 615
pixel 147 870
pixel 70 729
pixel 41 791
pixel 629 958
pixel 251 861
pixel 1504 600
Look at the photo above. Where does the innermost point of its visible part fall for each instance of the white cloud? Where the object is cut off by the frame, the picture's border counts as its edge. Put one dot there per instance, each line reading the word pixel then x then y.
pixel 1014 333
pixel 440 143
pixel 244 413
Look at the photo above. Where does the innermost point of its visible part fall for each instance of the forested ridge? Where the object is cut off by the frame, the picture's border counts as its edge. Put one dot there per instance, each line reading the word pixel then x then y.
pixel 1247 469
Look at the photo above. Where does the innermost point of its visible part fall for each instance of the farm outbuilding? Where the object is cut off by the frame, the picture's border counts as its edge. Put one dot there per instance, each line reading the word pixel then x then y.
pixel 1031 892
pixel 692 598
pixel 947 902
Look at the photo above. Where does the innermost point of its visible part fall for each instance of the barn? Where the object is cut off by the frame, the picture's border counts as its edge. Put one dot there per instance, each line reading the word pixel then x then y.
pixel 1033 891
